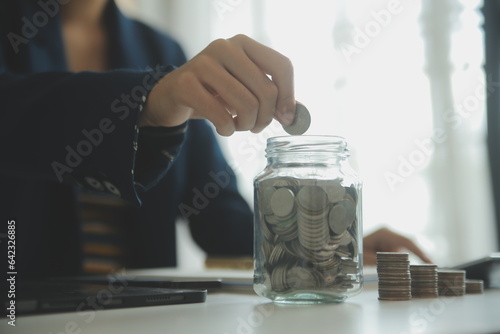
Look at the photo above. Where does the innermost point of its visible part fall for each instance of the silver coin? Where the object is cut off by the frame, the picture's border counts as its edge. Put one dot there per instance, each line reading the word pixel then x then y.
pixel 393 257
pixel 349 267
pixel 286 223
pixel 272 219
pixel 278 278
pixel 286 182
pixel 287 235
pixel 423 267
pixel 303 278
pixel 277 254
pixel 343 252
pixel 341 216
pixel 283 202
pixel 266 193
pixel 474 286
pixel 301 122
pixel 267 248
pixel 268 235
pixel 312 198
pixel 312 234
pixel 333 189
pixel 354 247
pixel 332 263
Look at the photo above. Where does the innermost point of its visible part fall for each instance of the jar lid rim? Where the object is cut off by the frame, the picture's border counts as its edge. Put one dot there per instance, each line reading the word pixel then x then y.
pixel 307 144
pixel 308 139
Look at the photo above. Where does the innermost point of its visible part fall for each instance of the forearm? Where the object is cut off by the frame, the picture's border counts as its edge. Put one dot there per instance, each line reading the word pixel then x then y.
pixel 70 127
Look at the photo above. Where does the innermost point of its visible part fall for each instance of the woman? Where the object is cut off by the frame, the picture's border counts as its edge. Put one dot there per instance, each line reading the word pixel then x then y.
pixel 94 99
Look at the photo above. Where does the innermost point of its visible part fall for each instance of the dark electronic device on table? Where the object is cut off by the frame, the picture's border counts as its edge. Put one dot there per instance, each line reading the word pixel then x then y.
pixel 487 269
pixel 49 296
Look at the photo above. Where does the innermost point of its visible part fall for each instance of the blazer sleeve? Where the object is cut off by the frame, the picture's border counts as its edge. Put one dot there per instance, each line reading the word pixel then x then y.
pixel 220 219
pixel 79 128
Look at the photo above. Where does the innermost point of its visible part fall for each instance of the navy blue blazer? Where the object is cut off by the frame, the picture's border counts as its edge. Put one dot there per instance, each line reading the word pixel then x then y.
pixel 61 131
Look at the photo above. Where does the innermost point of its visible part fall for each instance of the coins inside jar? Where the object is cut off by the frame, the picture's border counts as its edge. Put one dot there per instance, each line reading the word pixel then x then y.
pixel 311 235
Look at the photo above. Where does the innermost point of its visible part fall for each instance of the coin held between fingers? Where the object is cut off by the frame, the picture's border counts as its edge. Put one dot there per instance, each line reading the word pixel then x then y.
pixel 301 122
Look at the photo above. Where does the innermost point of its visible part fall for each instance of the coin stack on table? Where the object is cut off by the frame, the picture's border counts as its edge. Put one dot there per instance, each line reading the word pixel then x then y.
pixel 398 280
pixel 451 282
pixel 394 280
pixel 424 280
pixel 473 286
pixel 311 239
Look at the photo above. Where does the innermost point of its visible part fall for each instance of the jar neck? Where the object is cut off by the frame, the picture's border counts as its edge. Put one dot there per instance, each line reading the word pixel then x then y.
pixel 331 150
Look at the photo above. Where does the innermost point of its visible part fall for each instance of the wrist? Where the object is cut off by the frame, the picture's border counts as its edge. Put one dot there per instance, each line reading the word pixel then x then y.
pixel 161 110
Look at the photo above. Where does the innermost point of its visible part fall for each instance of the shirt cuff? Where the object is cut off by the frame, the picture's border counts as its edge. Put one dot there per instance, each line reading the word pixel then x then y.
pixel 157 148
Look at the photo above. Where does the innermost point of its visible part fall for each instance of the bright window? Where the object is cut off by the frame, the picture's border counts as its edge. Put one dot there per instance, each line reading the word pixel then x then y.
pixel 401 80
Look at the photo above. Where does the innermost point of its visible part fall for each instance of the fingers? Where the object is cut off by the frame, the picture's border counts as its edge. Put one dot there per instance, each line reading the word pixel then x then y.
pixel 236 98
pixel 252 72
pixel 206 104
pixel 385 240
pixel 254 79
pixel 281 70
pixel 412 247
pixel 182 96
pixel 398 241
pixel 237 84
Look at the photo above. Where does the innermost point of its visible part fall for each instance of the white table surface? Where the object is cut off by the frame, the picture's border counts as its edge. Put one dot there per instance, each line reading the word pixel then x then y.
pixel 229 313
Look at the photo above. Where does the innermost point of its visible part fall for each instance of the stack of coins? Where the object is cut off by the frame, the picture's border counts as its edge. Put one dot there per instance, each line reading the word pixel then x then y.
pixel 424 281
pixel 398 280
pixel 451 282
pixel 474 286
pixel 311 218
pixel 310 234
pixel 394 280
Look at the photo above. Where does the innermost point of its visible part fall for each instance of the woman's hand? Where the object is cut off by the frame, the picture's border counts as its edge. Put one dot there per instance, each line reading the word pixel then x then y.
pixel 238 84
pixel 385 240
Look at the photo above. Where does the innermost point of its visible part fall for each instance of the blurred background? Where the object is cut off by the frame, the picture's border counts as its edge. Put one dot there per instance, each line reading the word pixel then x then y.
pixel 402 81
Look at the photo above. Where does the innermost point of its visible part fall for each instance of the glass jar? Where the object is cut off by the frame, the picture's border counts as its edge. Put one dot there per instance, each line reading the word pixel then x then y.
pixel 308 222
